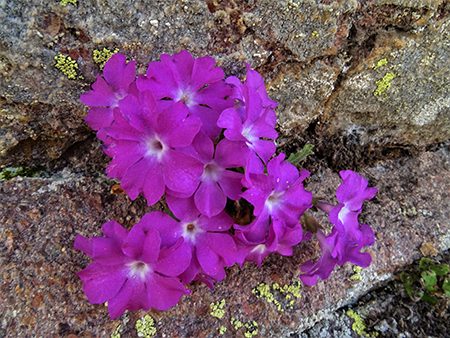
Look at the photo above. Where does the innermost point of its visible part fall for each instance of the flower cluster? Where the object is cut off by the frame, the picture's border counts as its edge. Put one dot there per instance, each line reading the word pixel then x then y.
pixel 184 133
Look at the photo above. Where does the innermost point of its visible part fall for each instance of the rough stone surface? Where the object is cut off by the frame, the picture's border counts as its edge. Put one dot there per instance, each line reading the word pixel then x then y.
pixel 318 59
pixel 41 217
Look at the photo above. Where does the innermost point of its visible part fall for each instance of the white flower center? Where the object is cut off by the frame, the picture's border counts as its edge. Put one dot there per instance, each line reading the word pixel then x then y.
pixel 190 231
pixel 259 248
pixel 273 201
pixel 187 97
pixel 138 269
pixel 155 147
pixel 210 172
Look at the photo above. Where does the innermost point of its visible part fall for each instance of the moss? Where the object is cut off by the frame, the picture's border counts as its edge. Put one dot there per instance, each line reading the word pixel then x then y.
pixel 382 62
pixel 102 56
pixel 217 309
pixel 358 326
pixel 10 173
pixel 384 84
pixel 64 3
pixel 145 328
pixel 67 66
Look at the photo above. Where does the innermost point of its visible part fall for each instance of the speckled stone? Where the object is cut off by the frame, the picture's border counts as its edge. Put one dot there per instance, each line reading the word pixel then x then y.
pixel 41 294
pixel 317 58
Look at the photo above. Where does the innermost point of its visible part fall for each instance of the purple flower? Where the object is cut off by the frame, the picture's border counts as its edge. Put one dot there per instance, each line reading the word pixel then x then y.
pixel 133 270
pixel 347 237
pixel 106 95
pixel 337 249
pixel 142 143
pixel 280 239
pixel 211 245
pixel 194 82
pixel 352 192
pixel 216 183
pixel 253 119
pixel 278 195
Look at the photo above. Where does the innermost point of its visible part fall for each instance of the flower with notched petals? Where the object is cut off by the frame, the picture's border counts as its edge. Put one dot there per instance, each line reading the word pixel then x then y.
pixel 133 270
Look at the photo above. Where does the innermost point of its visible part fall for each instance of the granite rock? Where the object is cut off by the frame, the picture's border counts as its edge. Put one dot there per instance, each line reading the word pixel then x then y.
pixel 42 296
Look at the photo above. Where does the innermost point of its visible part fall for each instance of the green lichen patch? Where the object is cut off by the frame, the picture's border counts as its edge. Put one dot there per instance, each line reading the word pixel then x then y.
pixel 9 173
pixel 357 275
pixel 116 334
pixel 287 291
pixel 217 309
pixel 67 66
pixel 359 327
pixel 64 3
pixel 222 329
pixel 145 328
pixel 384 84
pixel 102 56
pixel 251 327
pixel 380 63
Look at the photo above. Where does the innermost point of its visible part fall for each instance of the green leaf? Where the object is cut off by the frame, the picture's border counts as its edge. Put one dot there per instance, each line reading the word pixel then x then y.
pixel 425 263
pixel 430 280
pixel 301 155
pixel 408 281
pixel 446 287
pixel 429 299
pixel 440 270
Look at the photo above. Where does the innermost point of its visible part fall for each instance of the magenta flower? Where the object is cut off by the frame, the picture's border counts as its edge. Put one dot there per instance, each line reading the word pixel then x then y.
pixel 106 95
pixel 352 192
pixel 253 119
pixel 278 195
pixel 133 270
pixel 347 237
pixel 142 143
pixel 280 239
pixel 194 82
pixel 337 249
pixel 216 183
pixel 211 245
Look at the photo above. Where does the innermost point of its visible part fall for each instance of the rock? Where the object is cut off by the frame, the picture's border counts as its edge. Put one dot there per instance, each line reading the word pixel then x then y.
pixel 40 218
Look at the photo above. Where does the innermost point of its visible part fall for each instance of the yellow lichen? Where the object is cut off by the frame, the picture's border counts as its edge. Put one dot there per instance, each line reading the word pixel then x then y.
pixel 237 324
pixel 67 66
pixel 357 276
pixel 358 326
pixel 384 84
pixel 252 329
pixel 66 2
pixel 217 309
pixel 222 329
pixel 116 334
pixel 315 34
pixel 102 56
pixel 382 62
pixel 263 291
pixel 145 328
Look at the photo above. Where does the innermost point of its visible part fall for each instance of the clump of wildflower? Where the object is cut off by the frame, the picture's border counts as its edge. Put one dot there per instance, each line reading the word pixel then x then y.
pixel 183 132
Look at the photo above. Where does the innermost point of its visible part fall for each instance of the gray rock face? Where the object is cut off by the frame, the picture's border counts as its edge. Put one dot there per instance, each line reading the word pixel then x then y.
pixel 319 59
